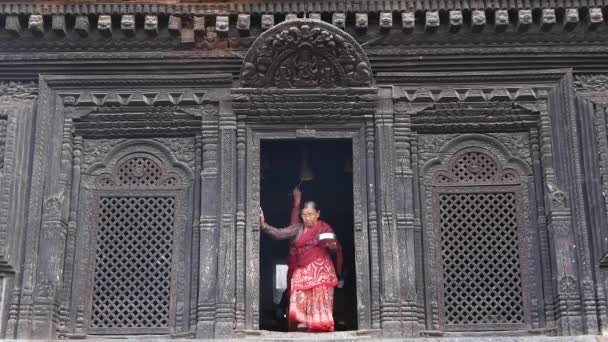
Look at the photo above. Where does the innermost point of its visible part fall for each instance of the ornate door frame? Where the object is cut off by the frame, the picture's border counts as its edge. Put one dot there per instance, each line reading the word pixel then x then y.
pixel 353 132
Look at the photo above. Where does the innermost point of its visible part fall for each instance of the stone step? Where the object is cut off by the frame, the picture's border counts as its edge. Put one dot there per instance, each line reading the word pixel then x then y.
pixel 343 337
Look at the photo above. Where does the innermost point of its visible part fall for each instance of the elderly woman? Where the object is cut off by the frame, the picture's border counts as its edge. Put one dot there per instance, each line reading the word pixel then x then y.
pixel 312 267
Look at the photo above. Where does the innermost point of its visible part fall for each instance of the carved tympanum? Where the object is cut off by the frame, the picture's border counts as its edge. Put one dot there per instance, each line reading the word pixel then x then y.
pixel 305 53
pixel 475 166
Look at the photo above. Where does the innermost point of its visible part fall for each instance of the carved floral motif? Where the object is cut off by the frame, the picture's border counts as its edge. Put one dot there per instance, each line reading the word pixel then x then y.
pixel 10 91
pixel 567 284
pixel 305 54
pixel 96 149
pixel 430 144
pixel 183 149
pixel 591 83
pixel 518 144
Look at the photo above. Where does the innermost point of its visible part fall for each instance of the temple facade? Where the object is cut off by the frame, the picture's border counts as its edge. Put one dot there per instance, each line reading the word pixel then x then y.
pixel 463 147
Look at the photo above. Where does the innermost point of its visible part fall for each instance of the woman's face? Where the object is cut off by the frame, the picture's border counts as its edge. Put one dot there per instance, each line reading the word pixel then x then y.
pixel 310 216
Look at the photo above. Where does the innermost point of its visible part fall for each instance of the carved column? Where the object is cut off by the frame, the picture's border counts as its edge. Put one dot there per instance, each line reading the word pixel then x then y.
pixel 372 223
pixel 209 210
pixel 226 274
pixel 404 212
pixel 17 112
pixel 388 235
pixel 541 224
pixel 71 237
pixel 591 104
pixel 573 168
pixel 561 197
pixel 241 270
pixel 51 248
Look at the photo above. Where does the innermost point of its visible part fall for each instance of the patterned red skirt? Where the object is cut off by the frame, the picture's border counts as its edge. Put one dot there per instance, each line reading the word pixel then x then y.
pixel 311 300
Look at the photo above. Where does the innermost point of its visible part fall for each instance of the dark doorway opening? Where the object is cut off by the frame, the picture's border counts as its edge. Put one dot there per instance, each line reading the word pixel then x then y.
pixel 328 180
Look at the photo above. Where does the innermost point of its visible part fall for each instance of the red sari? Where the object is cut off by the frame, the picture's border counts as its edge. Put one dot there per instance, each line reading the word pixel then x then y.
pixel 311 276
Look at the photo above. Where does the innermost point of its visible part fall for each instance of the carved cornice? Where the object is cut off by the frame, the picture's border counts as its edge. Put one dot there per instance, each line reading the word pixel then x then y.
pixel 474 117
pixel 291 105
pixel 183 26
pixel 201 80
pixel 268 6
pixel 540 76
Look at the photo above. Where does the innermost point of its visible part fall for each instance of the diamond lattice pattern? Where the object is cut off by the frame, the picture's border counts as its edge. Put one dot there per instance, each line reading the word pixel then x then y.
pixel 474 167
pixel 133 262
pixel 481 262
pixel 139 171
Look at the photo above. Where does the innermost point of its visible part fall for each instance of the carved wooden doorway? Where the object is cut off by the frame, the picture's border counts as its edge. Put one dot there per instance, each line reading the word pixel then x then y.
pixel 260 279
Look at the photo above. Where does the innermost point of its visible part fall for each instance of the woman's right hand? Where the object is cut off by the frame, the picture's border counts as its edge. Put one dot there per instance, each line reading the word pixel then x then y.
pixel 297 196
pixel 262 219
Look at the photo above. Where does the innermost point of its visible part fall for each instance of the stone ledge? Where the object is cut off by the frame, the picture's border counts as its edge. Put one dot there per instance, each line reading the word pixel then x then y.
pixel 350 336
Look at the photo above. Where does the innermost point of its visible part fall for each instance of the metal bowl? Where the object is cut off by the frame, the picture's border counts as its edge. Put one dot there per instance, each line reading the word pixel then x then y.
pixel 327 236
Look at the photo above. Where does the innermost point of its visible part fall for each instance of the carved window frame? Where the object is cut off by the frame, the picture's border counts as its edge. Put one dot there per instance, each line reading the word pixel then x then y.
pixel 497 185
pixel 91 193
pixel 431 236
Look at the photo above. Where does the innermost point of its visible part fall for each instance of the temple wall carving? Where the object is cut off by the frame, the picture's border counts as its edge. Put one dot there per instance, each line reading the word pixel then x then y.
pixel 479 191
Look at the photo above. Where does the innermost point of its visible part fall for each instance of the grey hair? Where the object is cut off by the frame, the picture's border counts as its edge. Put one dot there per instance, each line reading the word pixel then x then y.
pixel 310 205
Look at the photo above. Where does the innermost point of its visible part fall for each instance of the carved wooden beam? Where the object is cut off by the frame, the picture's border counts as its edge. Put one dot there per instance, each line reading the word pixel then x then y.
pixel 104 25
pixel 127 24
pixel 314 16
pixel 175 25
pixel 151 25
pixel 571 19
pixel 361 22
pixel 501 20
pixel 13 26
pixel 524 20
pixel 596 17
pixel 243 24
pixel 58 25
pixel 455 21
pixel 82 25
pixel 408 21
pixel 199 26
pixel 36 25
pixel 478 20
pixel 386 21
pixel 432 21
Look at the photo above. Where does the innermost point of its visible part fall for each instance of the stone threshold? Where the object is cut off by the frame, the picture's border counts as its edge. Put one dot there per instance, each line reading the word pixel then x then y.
pixel 343 337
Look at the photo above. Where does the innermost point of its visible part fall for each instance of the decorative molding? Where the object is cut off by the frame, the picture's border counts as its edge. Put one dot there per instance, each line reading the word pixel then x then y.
pixel 253 6
pixel 192 80
pixel 294 105
pixel 305 53
pixel 528 85
pixel 474 117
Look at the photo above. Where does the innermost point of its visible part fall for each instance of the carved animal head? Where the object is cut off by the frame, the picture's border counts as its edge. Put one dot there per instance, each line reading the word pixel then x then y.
pixel 151 22
pixel 456 17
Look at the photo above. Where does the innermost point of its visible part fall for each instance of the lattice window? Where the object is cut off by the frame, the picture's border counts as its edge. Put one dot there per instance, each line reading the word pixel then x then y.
pixel 476 211
pixel 480 251
pixel 133 262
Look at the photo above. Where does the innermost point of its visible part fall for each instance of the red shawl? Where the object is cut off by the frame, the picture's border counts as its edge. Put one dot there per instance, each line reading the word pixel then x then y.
pixel 307 249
